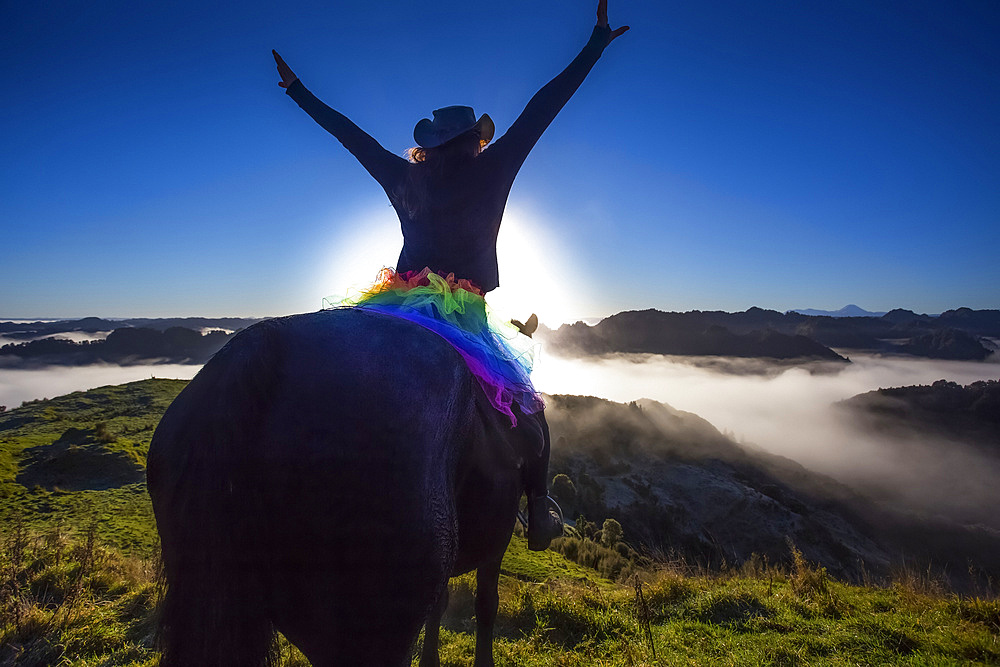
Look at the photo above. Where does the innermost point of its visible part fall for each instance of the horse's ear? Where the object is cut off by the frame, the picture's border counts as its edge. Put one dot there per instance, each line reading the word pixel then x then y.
pixel 527 328
pixel 531 325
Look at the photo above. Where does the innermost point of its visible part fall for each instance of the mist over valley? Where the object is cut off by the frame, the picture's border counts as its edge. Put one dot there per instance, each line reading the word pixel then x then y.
pixel 20 385
pixel 793 411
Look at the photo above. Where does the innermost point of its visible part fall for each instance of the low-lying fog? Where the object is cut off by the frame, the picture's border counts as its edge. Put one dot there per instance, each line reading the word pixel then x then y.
pixel 782 409
pixel 787 410
pixel 75 336
pixel 18 385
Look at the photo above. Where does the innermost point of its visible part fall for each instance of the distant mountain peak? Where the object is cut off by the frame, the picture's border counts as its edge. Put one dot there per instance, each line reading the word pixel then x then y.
pixel 850 310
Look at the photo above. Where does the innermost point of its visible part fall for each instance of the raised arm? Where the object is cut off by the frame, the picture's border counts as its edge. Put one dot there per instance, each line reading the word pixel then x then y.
pixel 385 167
pixel 520 138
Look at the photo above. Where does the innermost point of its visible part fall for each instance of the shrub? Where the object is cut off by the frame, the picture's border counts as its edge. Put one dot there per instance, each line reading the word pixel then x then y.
pixel 564 492
pixel 807 580
pixel 608 562
pixel 103 434
pixel 611 533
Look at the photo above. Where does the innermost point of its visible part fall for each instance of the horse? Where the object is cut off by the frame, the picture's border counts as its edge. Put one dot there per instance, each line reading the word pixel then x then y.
pixel 323 476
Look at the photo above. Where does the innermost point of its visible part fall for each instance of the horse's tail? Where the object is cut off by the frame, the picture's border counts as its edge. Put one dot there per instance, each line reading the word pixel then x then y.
pixel 213 610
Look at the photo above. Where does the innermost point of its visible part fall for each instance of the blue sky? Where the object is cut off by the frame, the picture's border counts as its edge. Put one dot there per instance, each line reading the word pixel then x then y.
pixel 721 155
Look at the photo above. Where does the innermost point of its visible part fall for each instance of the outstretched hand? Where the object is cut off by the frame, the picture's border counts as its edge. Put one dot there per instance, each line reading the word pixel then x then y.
pixel 602 20
pixel 284 71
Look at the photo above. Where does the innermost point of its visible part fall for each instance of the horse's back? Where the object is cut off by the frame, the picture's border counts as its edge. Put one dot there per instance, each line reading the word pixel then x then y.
pixel 318 452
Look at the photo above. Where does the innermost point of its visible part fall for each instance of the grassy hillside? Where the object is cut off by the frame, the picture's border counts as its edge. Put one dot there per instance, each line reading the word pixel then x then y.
pixel 78 576
pixel 66 460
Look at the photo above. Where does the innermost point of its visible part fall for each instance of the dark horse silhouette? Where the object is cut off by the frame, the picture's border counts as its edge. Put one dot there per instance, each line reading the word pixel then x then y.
pixel 324 475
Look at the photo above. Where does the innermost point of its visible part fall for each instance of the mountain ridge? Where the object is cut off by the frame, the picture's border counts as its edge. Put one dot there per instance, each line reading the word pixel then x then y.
pixel 961 333
pixel 955 334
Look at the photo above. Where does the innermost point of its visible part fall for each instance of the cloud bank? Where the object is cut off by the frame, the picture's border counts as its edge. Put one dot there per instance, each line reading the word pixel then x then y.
pixel 789 410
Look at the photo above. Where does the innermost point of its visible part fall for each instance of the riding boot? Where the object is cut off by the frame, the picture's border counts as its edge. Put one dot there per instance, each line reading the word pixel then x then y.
pixel 544 517
pixel 544 522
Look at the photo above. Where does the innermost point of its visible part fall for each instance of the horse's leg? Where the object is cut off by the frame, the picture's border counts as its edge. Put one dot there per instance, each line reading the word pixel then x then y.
pixel 336 625
pixel 487 602
pixel 429 655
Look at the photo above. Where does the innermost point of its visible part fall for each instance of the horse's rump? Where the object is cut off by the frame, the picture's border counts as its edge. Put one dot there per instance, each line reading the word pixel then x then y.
pixel 305 479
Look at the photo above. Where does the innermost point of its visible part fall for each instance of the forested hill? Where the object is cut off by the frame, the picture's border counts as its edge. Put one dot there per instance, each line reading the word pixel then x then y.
pixel 969 414
pixel 26 330
pixel 190 340
pixel 122 346
pixel 955 334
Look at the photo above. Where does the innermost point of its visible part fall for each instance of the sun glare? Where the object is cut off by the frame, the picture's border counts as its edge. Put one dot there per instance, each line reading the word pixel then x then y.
pixel 370 243
pixel 535 275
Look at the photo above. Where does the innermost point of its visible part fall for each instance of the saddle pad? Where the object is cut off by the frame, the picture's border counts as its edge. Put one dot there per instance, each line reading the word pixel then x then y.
pixel 496 353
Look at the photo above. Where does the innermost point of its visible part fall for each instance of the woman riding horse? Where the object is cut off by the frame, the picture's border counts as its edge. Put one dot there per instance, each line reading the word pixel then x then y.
pixel 450 197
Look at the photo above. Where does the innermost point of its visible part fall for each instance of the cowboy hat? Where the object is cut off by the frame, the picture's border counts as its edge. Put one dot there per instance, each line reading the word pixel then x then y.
pixel 449 123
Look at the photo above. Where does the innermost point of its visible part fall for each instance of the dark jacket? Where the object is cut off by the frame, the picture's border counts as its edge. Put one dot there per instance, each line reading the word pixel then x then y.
pixel 455 227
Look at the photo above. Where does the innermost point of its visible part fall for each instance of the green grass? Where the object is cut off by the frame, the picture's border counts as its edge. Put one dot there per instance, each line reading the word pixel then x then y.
pixel 526 565
pixel 77 584
pixel 125 515
pixel 735 619
pixel 71 600
pixel 107 422
pixel 128 412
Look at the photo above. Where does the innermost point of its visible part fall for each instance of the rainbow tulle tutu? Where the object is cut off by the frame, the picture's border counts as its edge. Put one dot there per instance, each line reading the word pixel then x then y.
pixel 497 354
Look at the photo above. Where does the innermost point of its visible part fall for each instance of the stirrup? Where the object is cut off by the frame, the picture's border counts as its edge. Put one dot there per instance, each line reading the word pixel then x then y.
pixel 522 517
pixel 549 523
pixel 527 328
